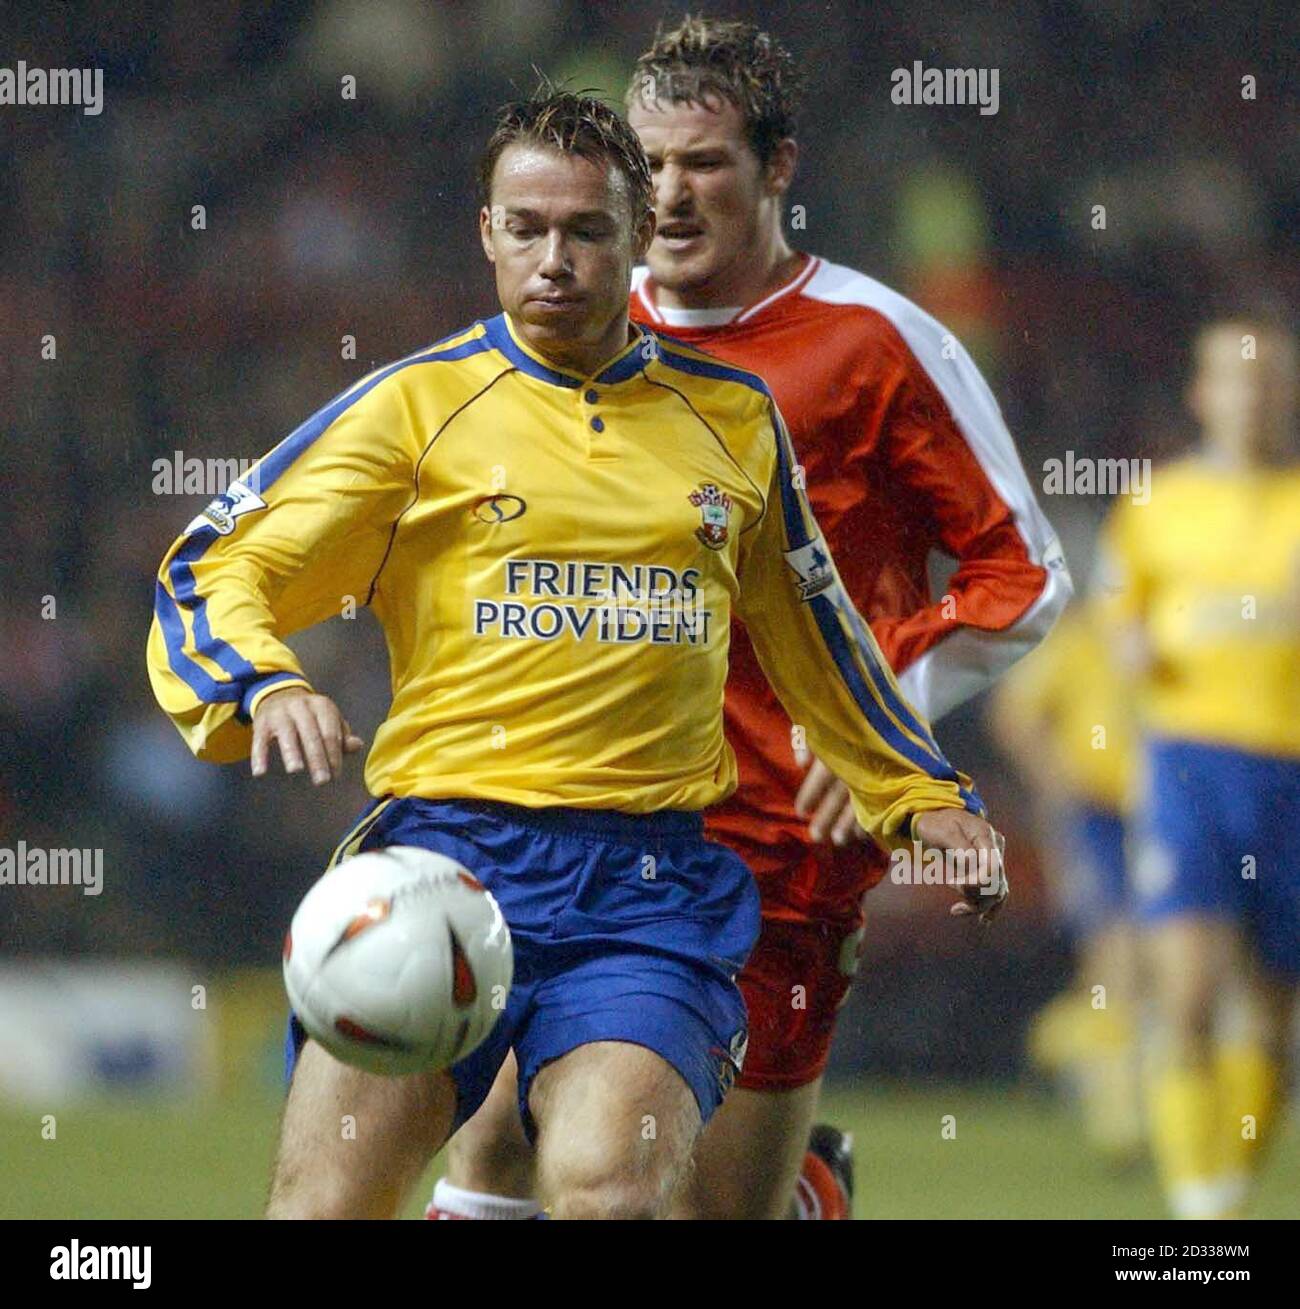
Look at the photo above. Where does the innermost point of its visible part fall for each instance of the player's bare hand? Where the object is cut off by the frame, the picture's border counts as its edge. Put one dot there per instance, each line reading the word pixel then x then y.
pixel 985 887
pixel 307 729
pixel 824 800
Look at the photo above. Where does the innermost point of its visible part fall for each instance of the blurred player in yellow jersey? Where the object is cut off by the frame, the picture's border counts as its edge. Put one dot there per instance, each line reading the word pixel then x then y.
pixel 1202 587
pixel 1063 717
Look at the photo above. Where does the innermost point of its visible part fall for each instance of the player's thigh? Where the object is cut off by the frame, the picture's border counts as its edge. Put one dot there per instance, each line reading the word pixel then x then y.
pixel 1189 902
pixel 490 1153
pixel 1109 958
pixel 352 1143
pixel 1189 959
pixel 748 1158
pixel 616 1124
pixel 794 984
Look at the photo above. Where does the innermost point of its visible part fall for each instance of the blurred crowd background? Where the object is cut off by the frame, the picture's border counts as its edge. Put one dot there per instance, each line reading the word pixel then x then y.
pixel 328 217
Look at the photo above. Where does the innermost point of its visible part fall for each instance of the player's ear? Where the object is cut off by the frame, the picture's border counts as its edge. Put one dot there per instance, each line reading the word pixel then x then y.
pixel 488 218
pixel 644 234
pixel 780 168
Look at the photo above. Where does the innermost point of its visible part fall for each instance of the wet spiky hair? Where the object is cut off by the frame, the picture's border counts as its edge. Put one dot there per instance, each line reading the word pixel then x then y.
pixel 572 124
pixel 702 58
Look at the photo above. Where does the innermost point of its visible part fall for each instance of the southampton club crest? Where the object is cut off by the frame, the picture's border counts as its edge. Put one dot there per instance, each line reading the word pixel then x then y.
pixel 715 508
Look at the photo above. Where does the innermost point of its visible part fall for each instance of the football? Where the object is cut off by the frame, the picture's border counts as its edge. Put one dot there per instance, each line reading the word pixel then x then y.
pixel 398 961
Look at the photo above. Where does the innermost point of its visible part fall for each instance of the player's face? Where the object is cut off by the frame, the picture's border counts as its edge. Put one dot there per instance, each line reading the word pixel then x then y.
pixel 559 234
pixel 1243 393
pixel 712 196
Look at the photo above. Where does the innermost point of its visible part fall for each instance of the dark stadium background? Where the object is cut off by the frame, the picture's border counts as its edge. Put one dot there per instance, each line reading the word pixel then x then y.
pixel 328 217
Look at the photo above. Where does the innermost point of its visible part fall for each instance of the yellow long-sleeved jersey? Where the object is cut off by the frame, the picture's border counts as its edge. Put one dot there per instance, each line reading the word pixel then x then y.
pixel 1209 571
pixel 554 560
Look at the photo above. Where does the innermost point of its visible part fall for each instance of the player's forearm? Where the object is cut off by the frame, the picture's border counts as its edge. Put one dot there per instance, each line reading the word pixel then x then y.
pixel 213 656
pixel 960 645
pixel 894 799
pixel 214 721
pixel 895 828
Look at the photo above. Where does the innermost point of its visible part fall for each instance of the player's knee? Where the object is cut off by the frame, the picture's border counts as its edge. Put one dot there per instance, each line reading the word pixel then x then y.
pixel 1187 1002
pixel 1192 1014
pixel 610 1197
pixel 301 1192
pixel 613 1184
pixel 1187 1020
pixel 321 1170
pixel 1185 991
pixel 299 1204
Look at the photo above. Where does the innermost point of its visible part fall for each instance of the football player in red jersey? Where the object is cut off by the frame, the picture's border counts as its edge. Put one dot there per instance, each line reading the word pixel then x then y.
pixel 903 450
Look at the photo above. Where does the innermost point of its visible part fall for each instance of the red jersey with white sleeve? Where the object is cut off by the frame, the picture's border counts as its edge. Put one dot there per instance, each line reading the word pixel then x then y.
pixel 904 451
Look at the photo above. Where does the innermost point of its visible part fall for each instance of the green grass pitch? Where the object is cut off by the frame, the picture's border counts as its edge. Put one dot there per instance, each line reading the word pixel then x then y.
pixel 1015 1155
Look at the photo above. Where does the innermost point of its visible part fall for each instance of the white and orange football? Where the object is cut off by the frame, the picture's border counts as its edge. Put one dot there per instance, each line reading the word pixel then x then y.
pixel 398 961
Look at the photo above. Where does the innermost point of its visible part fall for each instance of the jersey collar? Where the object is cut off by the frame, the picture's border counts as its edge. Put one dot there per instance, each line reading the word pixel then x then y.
pixel 704 318
pixel 629 361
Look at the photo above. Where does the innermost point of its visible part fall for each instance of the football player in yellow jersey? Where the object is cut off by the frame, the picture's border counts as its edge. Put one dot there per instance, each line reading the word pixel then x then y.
pixel 1063 717
pixel 552 514
pixel 1203 588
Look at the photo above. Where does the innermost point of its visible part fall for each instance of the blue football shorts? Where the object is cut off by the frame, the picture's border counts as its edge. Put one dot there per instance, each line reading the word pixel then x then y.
pixel 626 927
pixel 1219 833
